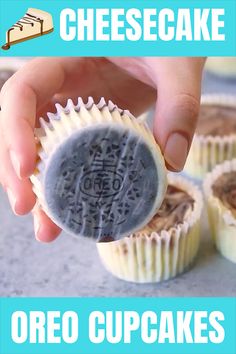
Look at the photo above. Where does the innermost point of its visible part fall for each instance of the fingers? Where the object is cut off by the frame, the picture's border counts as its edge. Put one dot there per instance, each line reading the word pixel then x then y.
pixel 179 87
pixel 22 199
pixel 27 90
pixel 44 228
pixel 20 194
pixel 23 96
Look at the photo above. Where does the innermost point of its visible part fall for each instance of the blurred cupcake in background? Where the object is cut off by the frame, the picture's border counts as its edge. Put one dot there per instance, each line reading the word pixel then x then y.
pixel 222 66
pixel 220 192
pixel 215 137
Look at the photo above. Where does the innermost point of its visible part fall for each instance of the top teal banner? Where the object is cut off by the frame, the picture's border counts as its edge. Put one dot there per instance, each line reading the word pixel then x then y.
pixel 118 28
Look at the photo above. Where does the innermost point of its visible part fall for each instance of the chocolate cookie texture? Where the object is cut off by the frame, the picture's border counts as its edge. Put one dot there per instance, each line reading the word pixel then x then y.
pixel 101 172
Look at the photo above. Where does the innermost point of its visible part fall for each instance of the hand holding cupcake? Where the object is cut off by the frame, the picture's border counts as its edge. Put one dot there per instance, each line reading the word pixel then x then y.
pixel 131 83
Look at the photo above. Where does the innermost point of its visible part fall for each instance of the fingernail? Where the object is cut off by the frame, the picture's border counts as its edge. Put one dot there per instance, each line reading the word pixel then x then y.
pixel 12 200
pixel 15 162
pixel 36 227
pixel 176 151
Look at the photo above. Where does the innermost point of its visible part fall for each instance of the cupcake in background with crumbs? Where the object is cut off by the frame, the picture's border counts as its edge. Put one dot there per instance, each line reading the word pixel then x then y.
pixel 166 246
pixel 220 193
pixel 215 137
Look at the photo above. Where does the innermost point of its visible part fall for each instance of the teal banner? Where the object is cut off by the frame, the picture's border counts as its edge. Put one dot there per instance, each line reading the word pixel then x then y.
pixel 118 28
pixel 118 325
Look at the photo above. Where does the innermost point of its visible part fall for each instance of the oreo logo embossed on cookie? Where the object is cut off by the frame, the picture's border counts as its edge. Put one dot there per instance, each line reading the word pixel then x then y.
pixel 101 182
pixel 101 173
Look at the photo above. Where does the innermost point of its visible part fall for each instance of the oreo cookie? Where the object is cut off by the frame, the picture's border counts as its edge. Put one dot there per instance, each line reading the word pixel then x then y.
pixel 101 173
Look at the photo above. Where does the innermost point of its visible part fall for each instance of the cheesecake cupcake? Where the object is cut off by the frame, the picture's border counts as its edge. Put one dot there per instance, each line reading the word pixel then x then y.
pixel 100 172
pixel 166 246
pixel 215 138
pixel 220 193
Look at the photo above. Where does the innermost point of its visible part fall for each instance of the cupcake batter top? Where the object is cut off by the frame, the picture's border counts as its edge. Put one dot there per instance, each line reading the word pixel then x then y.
pixel 217 120
pixel 173 211
pixel 4 76
pixel 224 188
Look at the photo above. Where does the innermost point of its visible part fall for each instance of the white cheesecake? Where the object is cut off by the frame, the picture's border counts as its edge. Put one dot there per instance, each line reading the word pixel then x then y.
pixel 33 24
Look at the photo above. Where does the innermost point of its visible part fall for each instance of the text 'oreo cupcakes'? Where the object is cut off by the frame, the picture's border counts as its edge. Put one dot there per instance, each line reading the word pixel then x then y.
pixel 215 138
pixel 220 191
pixel 101 174
pixel 166 246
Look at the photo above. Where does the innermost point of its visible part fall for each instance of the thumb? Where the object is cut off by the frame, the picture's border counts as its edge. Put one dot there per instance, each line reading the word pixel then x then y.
pixel 179 91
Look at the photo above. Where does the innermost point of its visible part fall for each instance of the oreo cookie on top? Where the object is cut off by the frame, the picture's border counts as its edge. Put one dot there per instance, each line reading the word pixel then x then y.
pixel 101 174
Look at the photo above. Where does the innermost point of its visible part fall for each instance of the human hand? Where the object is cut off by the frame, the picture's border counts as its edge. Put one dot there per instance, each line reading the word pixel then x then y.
pixel 132 83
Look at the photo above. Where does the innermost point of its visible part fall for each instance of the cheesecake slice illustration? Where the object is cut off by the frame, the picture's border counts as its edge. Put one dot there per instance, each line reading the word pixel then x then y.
pixel 33 24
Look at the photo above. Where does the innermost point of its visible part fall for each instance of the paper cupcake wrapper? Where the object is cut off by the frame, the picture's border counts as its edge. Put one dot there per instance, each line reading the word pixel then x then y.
pixel 79 202
pixel 153 257
pixel 208 151
pixel 222 221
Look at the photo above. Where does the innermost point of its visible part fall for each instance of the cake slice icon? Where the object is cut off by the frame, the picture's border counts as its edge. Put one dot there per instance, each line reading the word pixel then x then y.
pixel 33 24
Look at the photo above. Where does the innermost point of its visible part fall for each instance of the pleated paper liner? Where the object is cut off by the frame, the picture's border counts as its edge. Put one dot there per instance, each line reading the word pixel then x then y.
pixel 100 172
pixel 148 256
pixel 222 221
pixel 208 151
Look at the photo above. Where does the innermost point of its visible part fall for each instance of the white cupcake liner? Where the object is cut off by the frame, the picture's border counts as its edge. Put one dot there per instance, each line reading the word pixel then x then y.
pixel 208 151
pixel 73 118
pixel 221 219
pixel 148 256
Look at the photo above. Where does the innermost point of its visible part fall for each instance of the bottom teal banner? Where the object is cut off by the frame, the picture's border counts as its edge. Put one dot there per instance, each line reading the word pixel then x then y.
pixel 118 325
